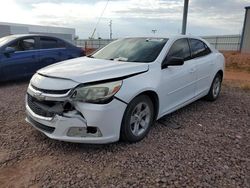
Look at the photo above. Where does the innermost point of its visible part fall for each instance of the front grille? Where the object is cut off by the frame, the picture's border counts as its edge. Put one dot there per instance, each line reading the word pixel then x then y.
pixel 32 103
pixel 38 125
pixel 55 92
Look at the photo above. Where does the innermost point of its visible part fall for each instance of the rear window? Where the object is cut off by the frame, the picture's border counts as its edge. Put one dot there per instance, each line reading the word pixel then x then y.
pixel 198 48
pixel 47 43
pixel 61 44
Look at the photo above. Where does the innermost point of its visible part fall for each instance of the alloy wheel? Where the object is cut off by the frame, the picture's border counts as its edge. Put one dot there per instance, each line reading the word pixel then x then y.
pixel 140 119
pixel 216 86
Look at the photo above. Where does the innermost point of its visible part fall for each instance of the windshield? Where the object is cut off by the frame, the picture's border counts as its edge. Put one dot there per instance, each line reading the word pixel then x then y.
pixel 5 40
pixel 132 50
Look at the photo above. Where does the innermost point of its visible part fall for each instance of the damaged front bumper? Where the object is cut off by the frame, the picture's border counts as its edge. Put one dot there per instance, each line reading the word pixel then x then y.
pixel 61 119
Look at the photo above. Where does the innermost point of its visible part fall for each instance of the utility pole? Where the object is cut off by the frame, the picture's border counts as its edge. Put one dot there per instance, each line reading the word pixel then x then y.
pixel 184 19
pixel 92 36
pixel 110 29
pixel 154 31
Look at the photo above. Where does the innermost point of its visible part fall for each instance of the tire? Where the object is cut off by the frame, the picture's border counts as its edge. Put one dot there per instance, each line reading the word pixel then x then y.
pixel 137 119
pixel 215 88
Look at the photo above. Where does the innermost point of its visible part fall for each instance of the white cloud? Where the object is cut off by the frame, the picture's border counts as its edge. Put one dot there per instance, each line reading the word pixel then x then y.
pixel 129 16
pixel 10 11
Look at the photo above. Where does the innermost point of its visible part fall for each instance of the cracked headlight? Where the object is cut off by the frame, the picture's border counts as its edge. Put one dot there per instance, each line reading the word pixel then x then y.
pixel 98 93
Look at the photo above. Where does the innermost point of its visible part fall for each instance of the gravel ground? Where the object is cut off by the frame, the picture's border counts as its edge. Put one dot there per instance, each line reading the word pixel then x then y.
pixel 211 149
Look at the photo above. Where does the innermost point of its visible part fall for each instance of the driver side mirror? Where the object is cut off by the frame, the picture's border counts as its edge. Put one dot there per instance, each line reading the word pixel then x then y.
pixel 9 50
pixel 172 61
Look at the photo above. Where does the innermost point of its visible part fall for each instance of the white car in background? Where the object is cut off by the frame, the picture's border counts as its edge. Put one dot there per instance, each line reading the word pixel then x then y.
pixel 119 91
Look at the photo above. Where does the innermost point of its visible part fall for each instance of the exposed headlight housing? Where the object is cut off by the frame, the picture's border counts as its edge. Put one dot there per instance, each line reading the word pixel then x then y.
pixel 99 93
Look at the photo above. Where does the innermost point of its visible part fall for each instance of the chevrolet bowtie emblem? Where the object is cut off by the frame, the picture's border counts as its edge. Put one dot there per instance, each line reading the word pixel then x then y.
pixel 38 95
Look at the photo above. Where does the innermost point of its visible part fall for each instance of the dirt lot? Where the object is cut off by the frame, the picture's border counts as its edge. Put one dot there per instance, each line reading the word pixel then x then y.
pixel 211 149
pixel 237 70
pixel 237 61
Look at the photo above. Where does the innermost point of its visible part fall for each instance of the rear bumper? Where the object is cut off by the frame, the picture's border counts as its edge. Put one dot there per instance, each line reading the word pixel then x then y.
pixel 106 118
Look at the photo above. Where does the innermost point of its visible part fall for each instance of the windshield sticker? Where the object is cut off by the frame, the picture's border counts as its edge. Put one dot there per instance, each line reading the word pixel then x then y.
pixel 154 40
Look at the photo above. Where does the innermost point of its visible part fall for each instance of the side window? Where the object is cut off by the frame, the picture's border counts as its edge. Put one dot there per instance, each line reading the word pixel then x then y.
pixel 47 43
pixel 180 49
pixel 198 48
pixel 23 44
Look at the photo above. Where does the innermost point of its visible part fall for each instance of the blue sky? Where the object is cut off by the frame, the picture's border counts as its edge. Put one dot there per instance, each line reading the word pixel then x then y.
pixel 130 17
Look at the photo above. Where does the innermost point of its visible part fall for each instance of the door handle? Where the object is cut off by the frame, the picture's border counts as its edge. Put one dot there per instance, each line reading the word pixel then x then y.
pixel 192 70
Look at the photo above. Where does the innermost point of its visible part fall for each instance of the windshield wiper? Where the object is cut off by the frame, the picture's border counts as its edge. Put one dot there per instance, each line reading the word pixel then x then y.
pixel 119 59
pixel 90 56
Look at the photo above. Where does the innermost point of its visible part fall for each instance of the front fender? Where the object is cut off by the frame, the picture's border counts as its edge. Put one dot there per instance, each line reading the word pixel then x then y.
pixel 138 84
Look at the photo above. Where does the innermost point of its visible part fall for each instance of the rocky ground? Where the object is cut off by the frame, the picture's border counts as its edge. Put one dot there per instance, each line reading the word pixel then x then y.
pixel 211 149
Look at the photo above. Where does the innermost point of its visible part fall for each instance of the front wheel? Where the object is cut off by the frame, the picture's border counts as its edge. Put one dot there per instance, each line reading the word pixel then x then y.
pixel 137 119
pixel 215 88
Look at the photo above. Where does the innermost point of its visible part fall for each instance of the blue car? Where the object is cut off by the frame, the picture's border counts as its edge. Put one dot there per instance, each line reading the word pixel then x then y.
pixel 23 55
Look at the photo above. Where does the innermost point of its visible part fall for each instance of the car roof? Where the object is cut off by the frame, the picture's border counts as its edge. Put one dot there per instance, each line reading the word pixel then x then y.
pixel 172 37
pixel 19 36
pixel 31 35
pixel 185 36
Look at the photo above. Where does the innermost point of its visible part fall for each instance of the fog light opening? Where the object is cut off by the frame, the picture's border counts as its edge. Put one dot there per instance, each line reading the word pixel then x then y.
pixel 92 130
pixel 68 107
pixel 84 132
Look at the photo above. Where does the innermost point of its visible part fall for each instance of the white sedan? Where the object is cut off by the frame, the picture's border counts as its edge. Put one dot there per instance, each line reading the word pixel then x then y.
pixel 119 91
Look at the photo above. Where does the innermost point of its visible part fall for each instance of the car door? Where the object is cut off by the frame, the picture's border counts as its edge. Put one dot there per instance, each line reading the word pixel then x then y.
pixel 204 65
pixel 22 61
pixel 50 52
pixel 177 82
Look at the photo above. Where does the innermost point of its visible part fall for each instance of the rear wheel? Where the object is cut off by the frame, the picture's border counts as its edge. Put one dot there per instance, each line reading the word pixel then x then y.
pixel 215 88
pixel 137 119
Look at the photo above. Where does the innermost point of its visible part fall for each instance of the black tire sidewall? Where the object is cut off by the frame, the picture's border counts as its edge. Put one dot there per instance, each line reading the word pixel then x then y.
pixel 210 95
pixel 126 132
pixel 217 76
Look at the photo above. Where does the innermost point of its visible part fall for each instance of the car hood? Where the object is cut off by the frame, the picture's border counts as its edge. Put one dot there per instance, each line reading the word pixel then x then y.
pixel 86 69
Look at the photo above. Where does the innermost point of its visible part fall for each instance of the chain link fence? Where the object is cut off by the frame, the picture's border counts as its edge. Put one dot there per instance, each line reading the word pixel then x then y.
pixel 93 43
pixel 225 42
pixel 222 42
